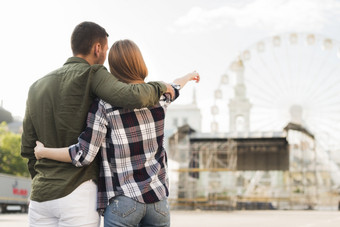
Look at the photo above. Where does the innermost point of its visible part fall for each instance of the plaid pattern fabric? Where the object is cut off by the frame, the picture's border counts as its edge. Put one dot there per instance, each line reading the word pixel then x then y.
pixel 133 161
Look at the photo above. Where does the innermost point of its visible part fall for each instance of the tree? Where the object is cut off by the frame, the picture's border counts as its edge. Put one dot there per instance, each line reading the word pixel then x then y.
pixel 10 157
pixel 5 116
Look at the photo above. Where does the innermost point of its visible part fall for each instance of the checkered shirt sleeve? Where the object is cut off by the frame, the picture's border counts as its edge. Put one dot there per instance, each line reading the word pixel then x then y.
pixel 89 141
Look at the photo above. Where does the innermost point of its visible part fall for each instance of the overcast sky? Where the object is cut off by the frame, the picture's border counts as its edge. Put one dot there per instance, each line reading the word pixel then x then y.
pixel 175 36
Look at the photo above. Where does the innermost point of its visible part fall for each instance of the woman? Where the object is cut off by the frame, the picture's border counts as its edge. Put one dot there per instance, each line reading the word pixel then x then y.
pixel 133 183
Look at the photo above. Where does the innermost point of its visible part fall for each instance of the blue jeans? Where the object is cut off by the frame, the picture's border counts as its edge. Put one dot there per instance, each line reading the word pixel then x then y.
pixel 124 211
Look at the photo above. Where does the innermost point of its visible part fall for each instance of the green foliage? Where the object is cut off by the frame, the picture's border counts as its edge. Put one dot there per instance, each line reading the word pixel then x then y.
pixel 11 161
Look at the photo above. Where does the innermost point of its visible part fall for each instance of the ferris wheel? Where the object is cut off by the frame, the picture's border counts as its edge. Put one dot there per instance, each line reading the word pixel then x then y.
pixel 287 74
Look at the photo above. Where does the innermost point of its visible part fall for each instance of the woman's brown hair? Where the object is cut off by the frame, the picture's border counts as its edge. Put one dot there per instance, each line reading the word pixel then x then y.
pixel 126 62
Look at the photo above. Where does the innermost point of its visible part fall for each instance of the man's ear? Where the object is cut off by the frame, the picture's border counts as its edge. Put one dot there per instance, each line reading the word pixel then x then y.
pixel 96 49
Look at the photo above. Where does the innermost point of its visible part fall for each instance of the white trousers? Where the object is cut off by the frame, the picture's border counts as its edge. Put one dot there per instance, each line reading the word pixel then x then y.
pixel 75 209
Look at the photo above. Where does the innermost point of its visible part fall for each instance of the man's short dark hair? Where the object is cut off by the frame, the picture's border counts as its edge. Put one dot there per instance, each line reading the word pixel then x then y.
pixel 85 35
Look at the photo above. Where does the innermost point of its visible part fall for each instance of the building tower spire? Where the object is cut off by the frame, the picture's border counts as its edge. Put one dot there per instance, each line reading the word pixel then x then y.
pixel 239 106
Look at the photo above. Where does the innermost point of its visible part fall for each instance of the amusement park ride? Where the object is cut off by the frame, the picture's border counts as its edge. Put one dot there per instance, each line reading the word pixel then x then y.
pixel 282 98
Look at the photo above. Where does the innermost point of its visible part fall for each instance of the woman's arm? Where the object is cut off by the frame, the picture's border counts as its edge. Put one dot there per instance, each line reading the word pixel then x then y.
pixel 177 85
pixel 188 77
pixel 57 154
pixel 89 141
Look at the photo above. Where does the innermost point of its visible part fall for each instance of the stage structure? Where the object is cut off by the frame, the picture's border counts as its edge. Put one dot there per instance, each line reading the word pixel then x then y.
pixel 245 171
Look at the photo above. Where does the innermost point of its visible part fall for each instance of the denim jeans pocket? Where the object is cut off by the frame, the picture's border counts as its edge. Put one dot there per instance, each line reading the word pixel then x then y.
pixel 123 206
pixel 162 207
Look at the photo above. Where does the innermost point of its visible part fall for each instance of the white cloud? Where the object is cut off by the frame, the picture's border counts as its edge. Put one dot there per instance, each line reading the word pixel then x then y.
pixel 278 16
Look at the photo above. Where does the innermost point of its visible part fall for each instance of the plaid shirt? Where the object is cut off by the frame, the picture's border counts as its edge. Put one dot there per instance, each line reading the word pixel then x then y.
pixel 133 161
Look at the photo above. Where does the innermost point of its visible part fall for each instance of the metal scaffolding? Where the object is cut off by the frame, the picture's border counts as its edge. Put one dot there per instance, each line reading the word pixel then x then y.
pixel 223 172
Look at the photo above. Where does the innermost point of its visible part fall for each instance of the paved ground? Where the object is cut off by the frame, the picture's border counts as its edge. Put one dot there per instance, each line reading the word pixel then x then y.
pixel 256 219
pixel 228 219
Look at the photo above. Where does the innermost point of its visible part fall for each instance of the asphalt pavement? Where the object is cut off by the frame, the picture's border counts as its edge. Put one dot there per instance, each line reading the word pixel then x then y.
pixel 227 219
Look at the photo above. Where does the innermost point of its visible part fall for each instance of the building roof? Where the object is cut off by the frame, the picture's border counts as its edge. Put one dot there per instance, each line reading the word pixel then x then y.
pixel 297 127
pixel 239 135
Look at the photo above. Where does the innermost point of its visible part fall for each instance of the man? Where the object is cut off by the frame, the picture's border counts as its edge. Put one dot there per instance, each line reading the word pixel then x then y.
pixel 56 110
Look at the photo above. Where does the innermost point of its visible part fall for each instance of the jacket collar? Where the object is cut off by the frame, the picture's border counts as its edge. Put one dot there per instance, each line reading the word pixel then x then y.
pixel 76 60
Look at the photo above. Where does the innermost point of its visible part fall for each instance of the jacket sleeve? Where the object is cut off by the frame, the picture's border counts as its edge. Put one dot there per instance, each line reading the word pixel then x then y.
pixel 28 139
pixel 107 87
